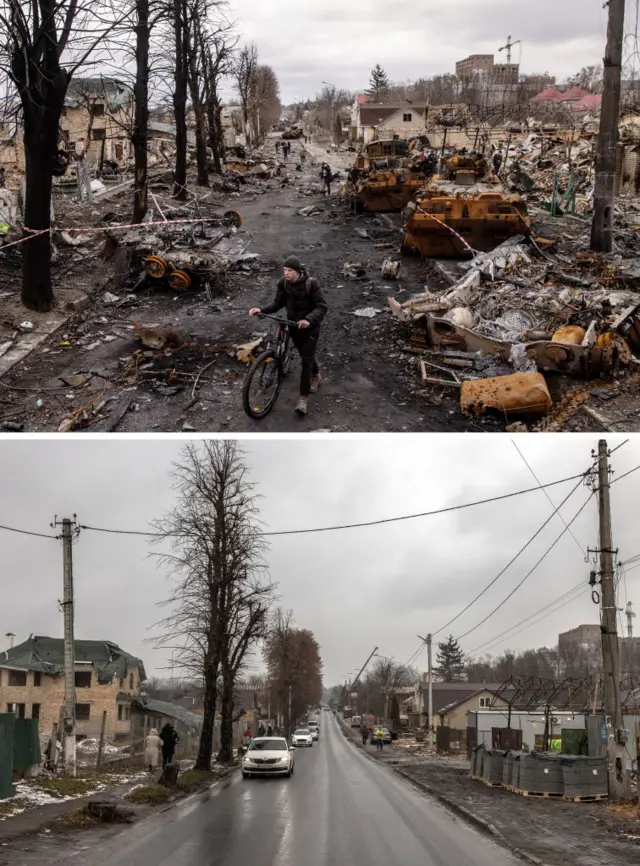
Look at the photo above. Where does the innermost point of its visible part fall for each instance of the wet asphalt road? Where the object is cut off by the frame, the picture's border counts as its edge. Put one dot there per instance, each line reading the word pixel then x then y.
pixel 339 808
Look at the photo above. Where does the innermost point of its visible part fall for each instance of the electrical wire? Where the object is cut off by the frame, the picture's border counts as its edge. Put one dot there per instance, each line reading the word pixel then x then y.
pixel 380 522
pixel 511 561
pixel 530 572
pixel 565 598
pixel 28 532
pixel 553 505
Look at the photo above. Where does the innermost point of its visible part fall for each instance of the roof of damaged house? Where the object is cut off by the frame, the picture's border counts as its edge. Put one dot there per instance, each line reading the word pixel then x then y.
pixel 373 114
pixel 150 706
pixel 46 655
pixel 449 695
pixel 170 131
pixel 115 93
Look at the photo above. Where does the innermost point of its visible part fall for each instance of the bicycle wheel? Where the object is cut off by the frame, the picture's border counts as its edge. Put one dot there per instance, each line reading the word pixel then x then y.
pixel 262 385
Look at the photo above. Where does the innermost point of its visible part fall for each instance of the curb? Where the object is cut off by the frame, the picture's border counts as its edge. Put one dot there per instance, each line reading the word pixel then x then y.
pixel 472 818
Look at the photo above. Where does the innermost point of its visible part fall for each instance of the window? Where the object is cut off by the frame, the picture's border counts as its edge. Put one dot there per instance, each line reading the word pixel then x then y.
pixel 485 703
pixel 83 712
pixel 98 134
pixel 17 678
pixel 131 681
pixel 97 110
pixel 37 678
pixel 120 712
pixel 17 709
pixel 35 711
pixel 406 117
pixel 83 679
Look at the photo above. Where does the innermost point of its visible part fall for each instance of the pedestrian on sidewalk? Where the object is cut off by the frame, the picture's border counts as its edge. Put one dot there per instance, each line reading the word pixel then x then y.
pixel 270 731
pixel 152 745
pixel 305 304
pixel 170 739
pixel 379 739
pixel 278 143
pixel 365 736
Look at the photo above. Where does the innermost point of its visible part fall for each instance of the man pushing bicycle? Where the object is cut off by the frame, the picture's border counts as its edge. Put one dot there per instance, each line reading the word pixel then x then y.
pixel 305 304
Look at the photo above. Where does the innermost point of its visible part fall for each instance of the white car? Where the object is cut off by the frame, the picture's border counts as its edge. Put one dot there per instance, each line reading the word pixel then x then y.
pixel 314 727
pixel 268 756
pixel 302 737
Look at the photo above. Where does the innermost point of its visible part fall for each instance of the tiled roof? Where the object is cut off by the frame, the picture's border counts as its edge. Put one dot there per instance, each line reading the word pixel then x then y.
pixel 371 115
pixel 46 654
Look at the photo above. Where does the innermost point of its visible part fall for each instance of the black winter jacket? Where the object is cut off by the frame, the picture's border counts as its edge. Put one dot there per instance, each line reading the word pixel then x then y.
pixel 303 301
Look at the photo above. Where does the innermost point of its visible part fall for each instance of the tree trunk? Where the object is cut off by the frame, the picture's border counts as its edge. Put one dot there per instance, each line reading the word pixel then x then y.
pixel 214 143
pixel 219 131
pixel 42 107
pixel 141 119
pixel 205 749
pixel 180 105
pixel 225 755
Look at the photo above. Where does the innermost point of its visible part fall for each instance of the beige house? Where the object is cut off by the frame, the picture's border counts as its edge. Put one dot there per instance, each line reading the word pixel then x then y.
pixel 98 114
pixel 106 678
pixel 456 714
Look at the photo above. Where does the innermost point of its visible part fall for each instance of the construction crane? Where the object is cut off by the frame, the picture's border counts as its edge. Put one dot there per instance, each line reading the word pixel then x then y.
pixel 508 48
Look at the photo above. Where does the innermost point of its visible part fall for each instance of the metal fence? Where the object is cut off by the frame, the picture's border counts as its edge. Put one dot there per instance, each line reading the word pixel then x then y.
pixel 7 723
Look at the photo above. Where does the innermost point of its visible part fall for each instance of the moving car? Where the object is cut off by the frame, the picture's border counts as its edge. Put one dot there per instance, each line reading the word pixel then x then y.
pixel 356 721
pixel 268 756
pixel 314 727
pixel 302 737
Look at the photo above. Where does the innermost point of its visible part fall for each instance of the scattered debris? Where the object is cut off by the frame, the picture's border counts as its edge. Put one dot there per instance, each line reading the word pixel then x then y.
pixel 519 393
pixel 367 312
pixel 244 353
pixel 390 270
pixel 158 336
pixel 354 270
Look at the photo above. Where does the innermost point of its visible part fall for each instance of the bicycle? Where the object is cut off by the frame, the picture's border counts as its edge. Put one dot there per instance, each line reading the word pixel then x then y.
pixel 268 371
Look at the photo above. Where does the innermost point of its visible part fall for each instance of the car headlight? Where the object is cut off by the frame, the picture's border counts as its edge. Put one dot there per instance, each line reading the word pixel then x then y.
pixel 283 760
pixel 248 760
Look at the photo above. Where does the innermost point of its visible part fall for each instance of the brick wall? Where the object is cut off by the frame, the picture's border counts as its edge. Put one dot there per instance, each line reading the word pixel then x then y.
pixel 49 695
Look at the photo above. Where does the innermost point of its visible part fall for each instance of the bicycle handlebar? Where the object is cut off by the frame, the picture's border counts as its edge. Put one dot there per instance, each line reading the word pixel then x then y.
pixel 276 319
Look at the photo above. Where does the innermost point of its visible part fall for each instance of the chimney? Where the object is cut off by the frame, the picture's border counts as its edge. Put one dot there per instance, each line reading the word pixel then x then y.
pixel 11 637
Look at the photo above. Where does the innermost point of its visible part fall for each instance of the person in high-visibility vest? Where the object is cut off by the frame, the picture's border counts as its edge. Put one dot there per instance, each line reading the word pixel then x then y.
pixel 379 739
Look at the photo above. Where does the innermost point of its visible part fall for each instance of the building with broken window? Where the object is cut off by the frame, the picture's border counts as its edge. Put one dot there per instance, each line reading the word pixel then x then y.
pixel 98 114
pixel 106 679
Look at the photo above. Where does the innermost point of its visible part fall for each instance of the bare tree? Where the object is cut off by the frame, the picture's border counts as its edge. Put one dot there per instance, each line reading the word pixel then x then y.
pixel 180 85
pixel 245 74
pixel 215 560
pixel 44 43
pixel 217 51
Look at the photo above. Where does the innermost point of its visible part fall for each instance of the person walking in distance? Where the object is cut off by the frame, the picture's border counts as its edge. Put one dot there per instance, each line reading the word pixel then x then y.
pixel 379 739
pixel 497 161
pixel 365 736
pixel 326 178
pixel 152 745
pixel 305 304
pixel 170 739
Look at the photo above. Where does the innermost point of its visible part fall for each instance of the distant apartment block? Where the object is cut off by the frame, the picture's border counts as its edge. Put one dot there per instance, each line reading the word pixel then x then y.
pixel 483 66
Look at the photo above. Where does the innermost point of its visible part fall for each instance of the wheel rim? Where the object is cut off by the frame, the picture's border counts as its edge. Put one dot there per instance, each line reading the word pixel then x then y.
pixel 263 386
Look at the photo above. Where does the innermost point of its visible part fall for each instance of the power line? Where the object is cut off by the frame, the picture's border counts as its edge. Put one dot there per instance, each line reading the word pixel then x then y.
pixel 511 561
pixel 553 505
pixel 566 597
pixel 28 532
pixel 380 522
pixel 529 573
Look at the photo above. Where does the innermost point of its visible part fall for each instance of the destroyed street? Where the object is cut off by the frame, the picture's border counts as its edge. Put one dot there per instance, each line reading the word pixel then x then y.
pixel 130 352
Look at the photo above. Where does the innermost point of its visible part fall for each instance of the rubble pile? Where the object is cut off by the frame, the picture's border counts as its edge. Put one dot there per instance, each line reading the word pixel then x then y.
pixel 519 312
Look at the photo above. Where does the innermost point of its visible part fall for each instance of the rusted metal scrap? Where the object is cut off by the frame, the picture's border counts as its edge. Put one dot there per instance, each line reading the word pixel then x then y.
pixel 517 394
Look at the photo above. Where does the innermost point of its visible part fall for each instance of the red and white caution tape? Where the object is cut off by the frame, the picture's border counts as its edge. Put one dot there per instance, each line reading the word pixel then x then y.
pixel 453 231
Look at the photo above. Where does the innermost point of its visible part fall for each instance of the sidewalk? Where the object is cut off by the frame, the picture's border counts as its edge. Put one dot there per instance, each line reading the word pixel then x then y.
pixel 548 831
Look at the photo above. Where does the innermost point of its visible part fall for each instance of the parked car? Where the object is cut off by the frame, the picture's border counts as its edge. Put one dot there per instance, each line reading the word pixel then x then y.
pixel 302 737
pixel 268 756
pixel 314 727
pixel 356 721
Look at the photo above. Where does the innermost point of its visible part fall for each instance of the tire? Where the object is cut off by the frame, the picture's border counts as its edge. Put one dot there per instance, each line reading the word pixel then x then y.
pixel 265 364
pixel 245 775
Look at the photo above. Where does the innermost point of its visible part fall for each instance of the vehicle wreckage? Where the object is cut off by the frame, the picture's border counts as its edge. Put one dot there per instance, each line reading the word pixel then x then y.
pixel 384 179
pixel 454 219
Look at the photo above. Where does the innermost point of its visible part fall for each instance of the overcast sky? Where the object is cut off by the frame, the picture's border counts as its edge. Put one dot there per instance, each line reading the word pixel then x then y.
pixel 355 588
pixel 308 41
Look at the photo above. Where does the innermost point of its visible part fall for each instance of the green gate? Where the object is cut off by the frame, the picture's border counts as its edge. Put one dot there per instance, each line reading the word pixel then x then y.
pixel 7 725
pixel 26 745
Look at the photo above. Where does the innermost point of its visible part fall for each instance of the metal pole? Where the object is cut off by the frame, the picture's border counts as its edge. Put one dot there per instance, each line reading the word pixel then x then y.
pixel 101 741
pixel 617 763
pixel 289 714
pixel 429 692
pixel 604 197
pixel 69 733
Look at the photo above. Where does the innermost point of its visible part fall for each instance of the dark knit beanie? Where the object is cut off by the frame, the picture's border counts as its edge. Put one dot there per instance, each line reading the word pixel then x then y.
pixel 293 262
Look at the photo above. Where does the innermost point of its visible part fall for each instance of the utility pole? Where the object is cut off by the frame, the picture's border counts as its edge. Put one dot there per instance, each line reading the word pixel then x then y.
pixel 630 614
pixel 428 641
pixel 604 196
pixel 289 713
pixel 69 529
pixel 618 771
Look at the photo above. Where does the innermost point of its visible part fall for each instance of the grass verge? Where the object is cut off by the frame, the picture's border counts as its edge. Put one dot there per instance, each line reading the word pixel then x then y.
pixel 195 780
pixel 66 787
pixel 149 794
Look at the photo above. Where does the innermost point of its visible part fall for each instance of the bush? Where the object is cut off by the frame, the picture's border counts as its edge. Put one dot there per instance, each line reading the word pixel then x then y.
pixel 149 794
